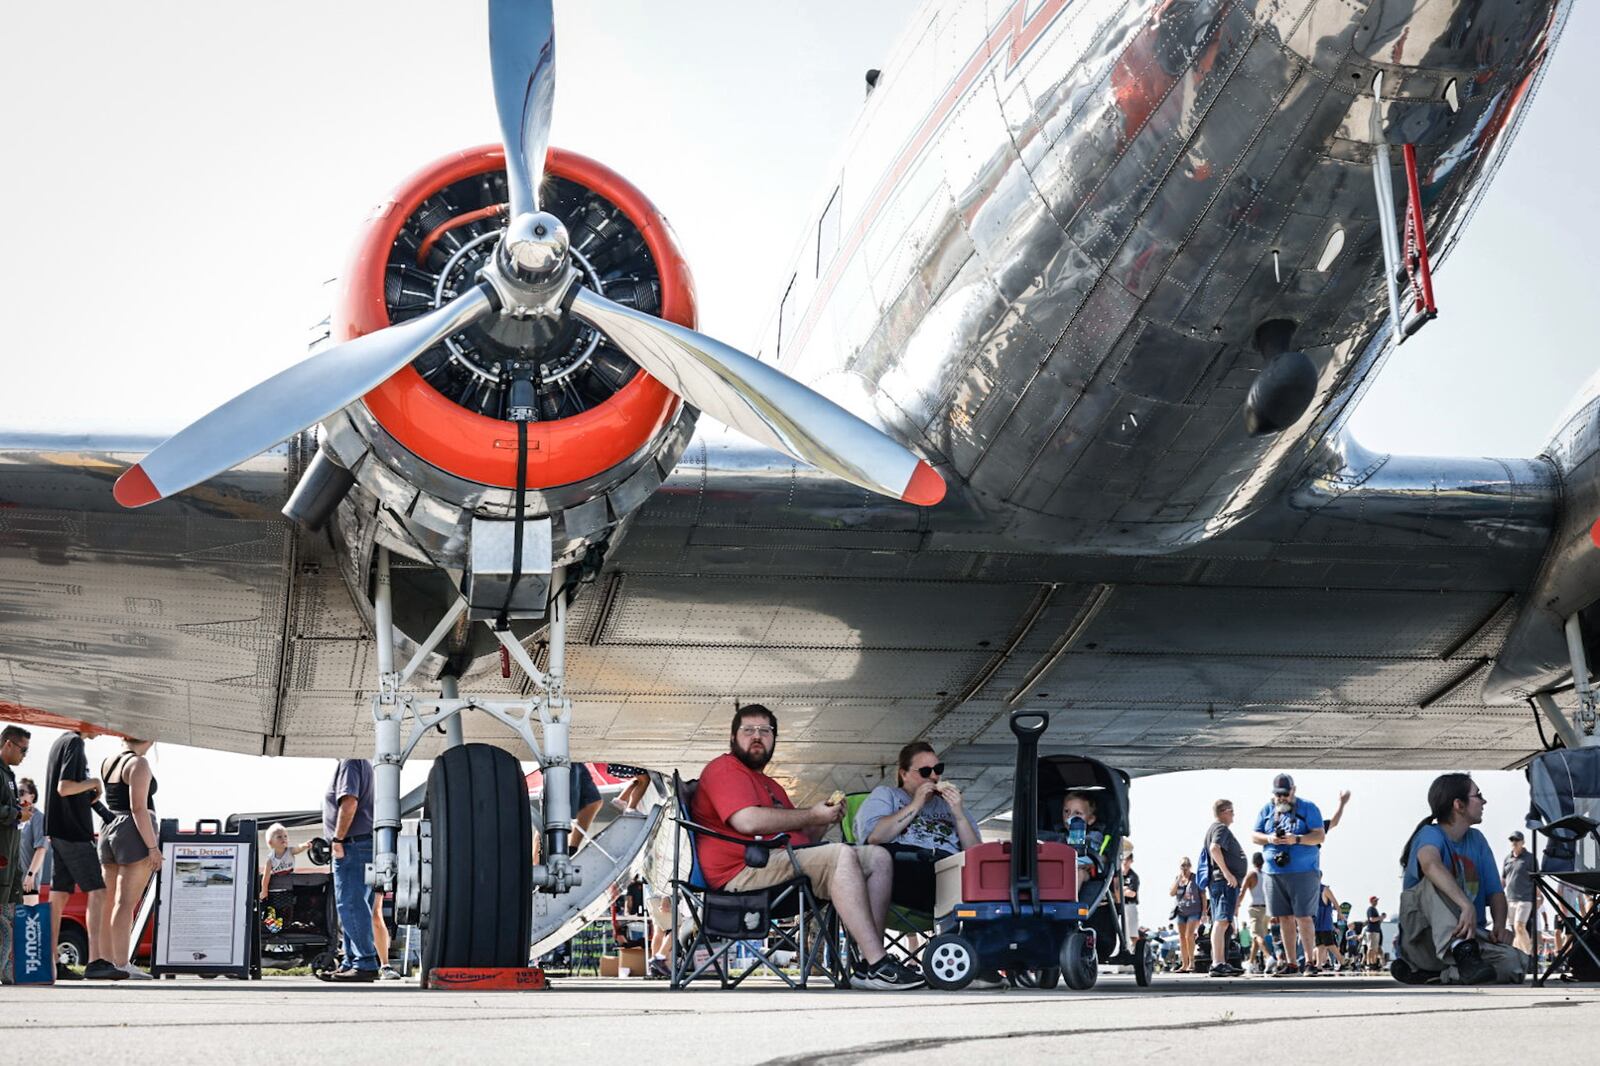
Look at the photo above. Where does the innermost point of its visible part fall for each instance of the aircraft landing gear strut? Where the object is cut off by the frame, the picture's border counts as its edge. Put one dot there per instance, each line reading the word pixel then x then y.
pixel 1578 729
pixel 463 875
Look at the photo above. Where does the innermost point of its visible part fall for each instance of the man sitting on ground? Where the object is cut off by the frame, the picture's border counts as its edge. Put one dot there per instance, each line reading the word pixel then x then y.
pixel 735 797
pixel 1450 880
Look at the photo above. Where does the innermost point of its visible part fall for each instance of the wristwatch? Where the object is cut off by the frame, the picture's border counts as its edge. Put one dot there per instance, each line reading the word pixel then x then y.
pixel 340 840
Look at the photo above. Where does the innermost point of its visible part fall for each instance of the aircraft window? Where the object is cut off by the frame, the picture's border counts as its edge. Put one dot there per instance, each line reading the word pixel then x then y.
pixel 787 318
pixel 1451 96
pixel 828 233
pixel 1331 250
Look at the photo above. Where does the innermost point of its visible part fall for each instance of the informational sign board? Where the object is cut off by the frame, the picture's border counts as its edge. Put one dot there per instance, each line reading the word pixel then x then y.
pixel 206 906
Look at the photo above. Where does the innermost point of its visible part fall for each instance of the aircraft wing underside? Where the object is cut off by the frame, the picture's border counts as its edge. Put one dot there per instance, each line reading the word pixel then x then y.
pixel 1350 623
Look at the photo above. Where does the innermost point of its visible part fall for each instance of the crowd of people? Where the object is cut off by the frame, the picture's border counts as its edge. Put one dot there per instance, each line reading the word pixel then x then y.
pixel 1465 918
pixel 57 843
pixel 51 845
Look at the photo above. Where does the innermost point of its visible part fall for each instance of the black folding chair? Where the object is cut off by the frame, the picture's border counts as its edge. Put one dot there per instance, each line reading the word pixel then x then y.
pixel 784 917
pixel 1564 789
pixel 1578 958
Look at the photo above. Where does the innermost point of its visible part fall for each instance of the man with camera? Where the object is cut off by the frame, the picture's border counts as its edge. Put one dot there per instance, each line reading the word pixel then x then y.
pixel 1290 832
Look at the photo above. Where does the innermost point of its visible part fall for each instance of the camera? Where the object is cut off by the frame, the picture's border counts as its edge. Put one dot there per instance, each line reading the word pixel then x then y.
pixel 1280 858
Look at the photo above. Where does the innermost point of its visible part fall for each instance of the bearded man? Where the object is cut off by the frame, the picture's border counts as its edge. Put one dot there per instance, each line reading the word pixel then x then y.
pixel 735 797
pixel 1290 831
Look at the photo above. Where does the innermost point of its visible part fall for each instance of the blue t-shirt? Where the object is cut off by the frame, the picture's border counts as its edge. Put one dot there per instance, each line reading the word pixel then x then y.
pixel 1324 919
pixel 1303 858
pixel 1470 859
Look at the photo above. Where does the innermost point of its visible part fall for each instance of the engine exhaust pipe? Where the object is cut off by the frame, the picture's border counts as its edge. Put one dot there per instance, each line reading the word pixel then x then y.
pixel 322 488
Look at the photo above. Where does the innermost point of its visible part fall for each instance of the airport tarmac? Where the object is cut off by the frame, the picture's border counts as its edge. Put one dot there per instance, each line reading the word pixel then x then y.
pixel 1331 1019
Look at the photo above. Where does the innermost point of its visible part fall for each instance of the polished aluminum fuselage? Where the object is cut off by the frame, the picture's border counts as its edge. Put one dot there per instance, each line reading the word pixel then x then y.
pixel 1046 253
pixel 1042 260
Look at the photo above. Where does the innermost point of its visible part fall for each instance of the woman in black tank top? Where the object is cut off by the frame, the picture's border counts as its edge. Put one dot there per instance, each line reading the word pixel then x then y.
pixel 129 852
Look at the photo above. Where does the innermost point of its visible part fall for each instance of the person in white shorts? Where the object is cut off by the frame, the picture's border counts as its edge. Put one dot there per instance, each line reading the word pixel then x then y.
pixel 1516 873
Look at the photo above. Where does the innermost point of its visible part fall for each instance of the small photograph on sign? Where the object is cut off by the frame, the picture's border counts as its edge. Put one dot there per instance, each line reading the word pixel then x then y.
pixel 197 874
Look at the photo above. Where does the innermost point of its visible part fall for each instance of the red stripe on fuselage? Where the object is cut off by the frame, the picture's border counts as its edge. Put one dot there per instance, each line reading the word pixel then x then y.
pixel 1023 32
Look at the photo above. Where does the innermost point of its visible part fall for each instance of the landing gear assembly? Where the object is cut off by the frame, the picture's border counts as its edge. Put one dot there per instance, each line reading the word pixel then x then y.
pixel 463 874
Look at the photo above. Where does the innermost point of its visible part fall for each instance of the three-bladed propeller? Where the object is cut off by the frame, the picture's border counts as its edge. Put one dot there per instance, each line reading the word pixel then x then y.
pixel 531 274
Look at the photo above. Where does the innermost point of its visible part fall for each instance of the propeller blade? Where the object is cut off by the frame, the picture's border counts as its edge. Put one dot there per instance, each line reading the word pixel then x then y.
pixel 763 402
pixel 522 56
pixel 288 402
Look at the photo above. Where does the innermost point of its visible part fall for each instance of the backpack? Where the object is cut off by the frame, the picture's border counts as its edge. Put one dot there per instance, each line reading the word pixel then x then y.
pixel 1202 872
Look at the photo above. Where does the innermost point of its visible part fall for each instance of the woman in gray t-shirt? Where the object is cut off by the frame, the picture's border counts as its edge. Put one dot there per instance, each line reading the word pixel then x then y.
pixel 920 820
pixel 920 810
pixel 35 840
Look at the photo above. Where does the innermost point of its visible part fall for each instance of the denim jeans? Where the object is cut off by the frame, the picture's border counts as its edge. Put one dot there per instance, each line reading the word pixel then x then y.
pixel 353 899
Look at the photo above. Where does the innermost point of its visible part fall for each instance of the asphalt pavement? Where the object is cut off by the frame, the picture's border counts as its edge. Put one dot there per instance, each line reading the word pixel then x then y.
pixel 1303 1020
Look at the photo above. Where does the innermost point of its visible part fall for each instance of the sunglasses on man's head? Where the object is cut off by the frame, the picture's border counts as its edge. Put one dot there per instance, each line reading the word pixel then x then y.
pixel 929 771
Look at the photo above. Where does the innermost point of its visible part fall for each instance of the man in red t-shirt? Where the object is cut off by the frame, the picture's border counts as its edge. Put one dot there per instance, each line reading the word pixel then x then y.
pixel 735 797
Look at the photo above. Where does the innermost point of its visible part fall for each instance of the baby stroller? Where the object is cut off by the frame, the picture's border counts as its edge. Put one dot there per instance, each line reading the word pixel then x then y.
pixel 1016 905
pixel 299 925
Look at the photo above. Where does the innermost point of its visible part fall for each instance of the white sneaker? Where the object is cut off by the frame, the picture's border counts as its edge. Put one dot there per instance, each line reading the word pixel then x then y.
pixel 137 974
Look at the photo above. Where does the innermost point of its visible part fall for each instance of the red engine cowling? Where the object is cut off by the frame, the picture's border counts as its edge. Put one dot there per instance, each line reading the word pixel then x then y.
pixel 461 439
pixel 430 448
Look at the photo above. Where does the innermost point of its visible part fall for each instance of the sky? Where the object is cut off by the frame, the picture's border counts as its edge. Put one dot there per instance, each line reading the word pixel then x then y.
pixel 193 173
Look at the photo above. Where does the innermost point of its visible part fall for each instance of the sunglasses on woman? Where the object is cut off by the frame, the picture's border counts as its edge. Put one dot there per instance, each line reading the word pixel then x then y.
pixel 929 771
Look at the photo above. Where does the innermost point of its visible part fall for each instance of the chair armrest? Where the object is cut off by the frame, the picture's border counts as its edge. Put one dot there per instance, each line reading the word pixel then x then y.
pixel 779 840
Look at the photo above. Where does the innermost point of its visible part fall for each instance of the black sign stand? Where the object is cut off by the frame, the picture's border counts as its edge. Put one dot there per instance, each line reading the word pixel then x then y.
pixel 208 831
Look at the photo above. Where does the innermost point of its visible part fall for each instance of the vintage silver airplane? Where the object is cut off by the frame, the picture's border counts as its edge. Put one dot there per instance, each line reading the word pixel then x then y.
pixel 1051 413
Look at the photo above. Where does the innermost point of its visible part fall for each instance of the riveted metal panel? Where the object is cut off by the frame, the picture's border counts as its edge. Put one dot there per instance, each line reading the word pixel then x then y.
pixel 774 613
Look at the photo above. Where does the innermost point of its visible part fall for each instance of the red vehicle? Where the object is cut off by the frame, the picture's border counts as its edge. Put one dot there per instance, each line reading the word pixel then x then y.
pixel 73 948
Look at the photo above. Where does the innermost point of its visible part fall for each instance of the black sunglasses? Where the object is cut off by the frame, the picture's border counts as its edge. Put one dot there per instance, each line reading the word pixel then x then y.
pixel 929 771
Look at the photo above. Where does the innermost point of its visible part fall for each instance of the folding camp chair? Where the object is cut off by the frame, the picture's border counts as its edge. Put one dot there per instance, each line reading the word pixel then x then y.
pixel 1564 787
pixel 903 922
pixel 759 920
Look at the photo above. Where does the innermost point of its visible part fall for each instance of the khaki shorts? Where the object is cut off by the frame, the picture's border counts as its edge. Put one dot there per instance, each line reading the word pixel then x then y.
pixel 817 862
pixel 1258 920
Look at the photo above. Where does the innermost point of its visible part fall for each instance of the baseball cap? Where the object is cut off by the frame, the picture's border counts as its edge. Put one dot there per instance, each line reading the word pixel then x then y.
pixel 1283 783
pixel 1516 835
pixel 1372 899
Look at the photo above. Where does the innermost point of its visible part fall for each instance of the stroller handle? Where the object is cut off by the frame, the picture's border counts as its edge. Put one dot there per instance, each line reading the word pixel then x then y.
pixel 1028 727
pixel 1022 730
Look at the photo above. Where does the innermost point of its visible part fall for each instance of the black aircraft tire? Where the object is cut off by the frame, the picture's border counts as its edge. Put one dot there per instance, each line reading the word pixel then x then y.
pixel 481 907
pixel 1144 963
pixel 949 962
pixel 1079 967
pixel 1049 977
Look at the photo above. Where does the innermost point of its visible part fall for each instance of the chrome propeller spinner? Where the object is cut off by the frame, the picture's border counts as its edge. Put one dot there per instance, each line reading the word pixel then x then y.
pixel 535 246
pixel 531 275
